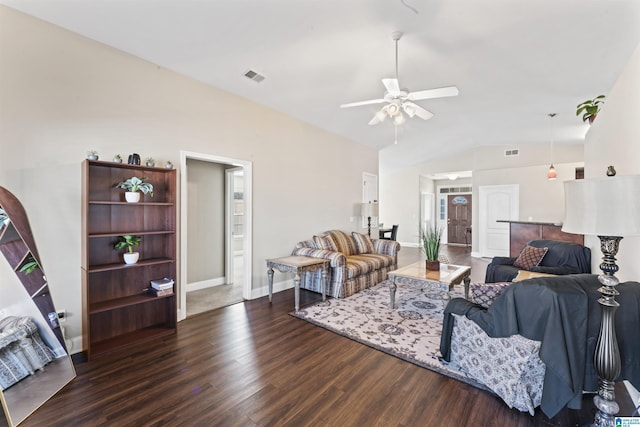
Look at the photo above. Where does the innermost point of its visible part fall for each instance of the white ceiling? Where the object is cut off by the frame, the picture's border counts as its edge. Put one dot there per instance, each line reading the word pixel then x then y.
pixel 514 61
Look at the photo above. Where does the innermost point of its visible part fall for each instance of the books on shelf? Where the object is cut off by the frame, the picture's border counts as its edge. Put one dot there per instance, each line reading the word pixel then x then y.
pixel 161 292
pixel 161 287
pixel 161 284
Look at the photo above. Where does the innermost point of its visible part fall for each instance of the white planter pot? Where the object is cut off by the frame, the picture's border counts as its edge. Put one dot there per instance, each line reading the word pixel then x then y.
pixel 131 258
pixel 132 196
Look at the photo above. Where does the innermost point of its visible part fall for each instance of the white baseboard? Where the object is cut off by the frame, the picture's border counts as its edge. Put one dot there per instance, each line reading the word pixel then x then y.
pixel 277 287
pixel 74 345
pixel 204 284
pixel 409 245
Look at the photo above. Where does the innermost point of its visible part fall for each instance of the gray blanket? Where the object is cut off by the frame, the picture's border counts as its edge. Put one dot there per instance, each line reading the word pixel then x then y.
pixel 564 315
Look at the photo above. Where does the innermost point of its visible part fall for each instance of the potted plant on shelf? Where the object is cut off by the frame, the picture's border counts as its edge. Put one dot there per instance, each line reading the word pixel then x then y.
pixel 431 246
pixel 92 155
pixel 117 158
pixel 128 242
pixel 590 108
pixel 30 265
pixel 134 185
pixel 150 162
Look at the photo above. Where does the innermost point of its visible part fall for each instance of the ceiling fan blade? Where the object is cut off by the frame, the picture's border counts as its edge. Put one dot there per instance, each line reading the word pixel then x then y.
pixel 392 86
pixel 357 104
pixel 415 110
pixel 433 93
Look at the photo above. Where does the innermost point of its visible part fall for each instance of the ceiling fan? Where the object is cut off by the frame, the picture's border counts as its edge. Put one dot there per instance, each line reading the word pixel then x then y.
pixel 398 100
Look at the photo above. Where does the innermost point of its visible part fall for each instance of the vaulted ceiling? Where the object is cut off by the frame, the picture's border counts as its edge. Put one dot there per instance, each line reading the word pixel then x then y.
pixel 514 62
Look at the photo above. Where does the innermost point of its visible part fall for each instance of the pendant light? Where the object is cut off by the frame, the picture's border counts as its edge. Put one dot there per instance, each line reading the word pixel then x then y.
pixel 551 173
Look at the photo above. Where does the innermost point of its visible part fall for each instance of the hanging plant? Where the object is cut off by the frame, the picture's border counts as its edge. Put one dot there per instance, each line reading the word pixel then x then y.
pixel 590 108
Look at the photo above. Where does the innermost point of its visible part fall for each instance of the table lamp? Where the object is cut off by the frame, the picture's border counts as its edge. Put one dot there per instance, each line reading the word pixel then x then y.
pixel 609 208
pixel 369 210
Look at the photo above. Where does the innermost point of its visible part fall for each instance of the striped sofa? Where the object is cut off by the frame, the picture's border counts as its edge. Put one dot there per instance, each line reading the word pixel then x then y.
pixel 357 261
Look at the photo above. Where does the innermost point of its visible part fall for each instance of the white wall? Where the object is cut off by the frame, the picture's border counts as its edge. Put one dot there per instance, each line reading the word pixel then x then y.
pixel 614 139
pixel 539 198
pixel 62 94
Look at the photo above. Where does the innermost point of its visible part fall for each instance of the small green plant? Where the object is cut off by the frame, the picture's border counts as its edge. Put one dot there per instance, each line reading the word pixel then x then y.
pixel 431 242
pixel 30 266
pixel 128 242
pixel 134 184
pixel 590 108
pixel 117 157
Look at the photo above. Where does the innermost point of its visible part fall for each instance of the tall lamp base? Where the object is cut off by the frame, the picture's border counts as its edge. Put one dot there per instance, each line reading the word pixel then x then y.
pixel 607 355
pixel 369 226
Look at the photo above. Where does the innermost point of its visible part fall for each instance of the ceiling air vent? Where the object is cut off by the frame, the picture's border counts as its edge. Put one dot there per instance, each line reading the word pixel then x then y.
pixel 255 76
pixel 511 152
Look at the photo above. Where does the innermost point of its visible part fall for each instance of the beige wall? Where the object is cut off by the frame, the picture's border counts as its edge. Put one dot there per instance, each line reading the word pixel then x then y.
pixel 62 94
pixel 206 219
pixel 614 139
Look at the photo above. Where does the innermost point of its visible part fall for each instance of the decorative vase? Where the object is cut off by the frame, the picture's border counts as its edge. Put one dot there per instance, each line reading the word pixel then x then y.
pixel 131 257
pixel 132 196
pixel 92 157
pixel 117 160
pixel 151 164
pixel 432 265
pixel 169 165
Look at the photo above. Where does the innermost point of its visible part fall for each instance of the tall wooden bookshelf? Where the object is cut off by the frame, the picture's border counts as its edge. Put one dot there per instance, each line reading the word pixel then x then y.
pixel 118 310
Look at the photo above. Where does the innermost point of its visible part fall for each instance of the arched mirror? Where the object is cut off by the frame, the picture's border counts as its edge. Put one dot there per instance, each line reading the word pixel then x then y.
pixel 34 361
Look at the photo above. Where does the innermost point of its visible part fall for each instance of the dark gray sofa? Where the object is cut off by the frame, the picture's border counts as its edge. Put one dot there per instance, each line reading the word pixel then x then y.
pixel 561 258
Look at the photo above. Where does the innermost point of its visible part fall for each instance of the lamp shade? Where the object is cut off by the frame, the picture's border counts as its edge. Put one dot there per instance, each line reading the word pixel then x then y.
pixel 608 206
pixel 369 209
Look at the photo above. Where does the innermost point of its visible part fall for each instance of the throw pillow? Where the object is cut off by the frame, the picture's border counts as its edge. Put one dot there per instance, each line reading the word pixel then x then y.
pixel 530 257
pixel 363 243
pixel 325 242
pixel 524 275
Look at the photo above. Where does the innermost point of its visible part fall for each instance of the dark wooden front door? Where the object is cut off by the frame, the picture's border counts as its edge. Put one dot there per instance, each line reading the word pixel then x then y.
pixel 459 218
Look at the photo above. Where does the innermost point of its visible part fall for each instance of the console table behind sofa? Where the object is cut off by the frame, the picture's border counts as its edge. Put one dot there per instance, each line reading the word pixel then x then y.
pixel 520 232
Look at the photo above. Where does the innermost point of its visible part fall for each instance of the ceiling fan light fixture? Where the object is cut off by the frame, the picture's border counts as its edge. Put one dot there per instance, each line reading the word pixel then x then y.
pixel 409 110
pixel 398 119
pixel 392 109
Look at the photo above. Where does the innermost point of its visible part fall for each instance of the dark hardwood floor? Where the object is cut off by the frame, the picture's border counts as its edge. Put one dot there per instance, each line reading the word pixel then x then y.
pixel 251 364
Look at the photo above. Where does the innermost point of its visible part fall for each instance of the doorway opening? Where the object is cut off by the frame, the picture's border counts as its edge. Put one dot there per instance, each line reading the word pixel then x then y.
pixel 215 232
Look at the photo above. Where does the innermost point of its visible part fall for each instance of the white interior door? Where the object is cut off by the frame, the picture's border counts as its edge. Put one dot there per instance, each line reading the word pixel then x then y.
pixel 497 202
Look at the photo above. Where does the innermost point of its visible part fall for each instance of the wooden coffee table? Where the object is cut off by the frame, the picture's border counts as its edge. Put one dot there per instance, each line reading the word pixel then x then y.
pixel 417 275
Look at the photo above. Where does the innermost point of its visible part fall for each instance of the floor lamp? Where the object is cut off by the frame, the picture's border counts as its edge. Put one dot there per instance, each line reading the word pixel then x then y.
pixel 609 208
pixel 369 210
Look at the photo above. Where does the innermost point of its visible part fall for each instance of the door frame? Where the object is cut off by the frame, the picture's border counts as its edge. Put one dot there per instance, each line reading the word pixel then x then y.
pixel 442 208
pixel 248 239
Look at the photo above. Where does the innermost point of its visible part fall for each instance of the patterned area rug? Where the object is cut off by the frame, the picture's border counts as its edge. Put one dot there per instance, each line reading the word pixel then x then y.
pixel 410 332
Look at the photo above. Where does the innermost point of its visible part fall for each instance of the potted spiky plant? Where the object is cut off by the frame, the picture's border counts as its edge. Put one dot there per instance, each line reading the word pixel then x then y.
pixel 128 242
pixel 134 185
pixel 431 246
